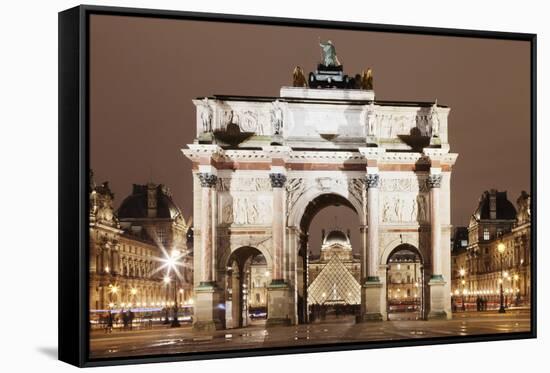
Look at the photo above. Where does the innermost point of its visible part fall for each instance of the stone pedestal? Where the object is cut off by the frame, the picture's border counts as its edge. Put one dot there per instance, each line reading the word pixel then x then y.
pixel 435 142
pixel 333 93
pixel 371 293
pixel 206 137
pixel 209 308
pixel 372 141
pixel 437 298
pixel 278 304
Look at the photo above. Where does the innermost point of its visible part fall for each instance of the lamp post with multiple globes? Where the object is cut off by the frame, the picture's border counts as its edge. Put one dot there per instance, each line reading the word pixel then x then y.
pixel 501 247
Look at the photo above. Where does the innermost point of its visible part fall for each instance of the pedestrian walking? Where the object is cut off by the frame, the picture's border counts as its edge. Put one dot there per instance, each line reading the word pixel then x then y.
pixel 109 327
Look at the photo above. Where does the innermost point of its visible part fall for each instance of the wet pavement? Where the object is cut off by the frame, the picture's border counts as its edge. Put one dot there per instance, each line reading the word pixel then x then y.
pixel 163 340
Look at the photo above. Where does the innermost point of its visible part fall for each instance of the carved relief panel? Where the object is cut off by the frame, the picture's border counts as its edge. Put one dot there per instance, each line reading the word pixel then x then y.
pixel 245 201
pixel 255 119
pixel 404 200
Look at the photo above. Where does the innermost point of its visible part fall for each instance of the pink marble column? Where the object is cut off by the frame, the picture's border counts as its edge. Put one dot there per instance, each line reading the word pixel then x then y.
pixel 277 182
pixel 364 251
pixel 208 182
pixel 372 222
pixel 434 182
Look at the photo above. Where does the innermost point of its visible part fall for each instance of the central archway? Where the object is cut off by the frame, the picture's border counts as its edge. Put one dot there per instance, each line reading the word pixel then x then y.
pixel 311 210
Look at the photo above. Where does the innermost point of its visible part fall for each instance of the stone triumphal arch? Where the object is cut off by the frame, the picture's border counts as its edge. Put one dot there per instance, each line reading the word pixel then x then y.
pixel 263 167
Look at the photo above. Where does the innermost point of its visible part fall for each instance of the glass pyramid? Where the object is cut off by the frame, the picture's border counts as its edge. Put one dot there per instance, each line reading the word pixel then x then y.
pixel 335 284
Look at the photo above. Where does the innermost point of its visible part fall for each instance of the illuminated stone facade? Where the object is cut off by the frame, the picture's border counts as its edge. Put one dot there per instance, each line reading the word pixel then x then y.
pixel 126 252
pixel 496 220
pixel 405 287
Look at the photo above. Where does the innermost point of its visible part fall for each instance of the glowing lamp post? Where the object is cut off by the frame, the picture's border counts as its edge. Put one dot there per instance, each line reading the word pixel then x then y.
pixel 501 247
pixel 463 282
pixel 171 263
pixel 516 287
pixel 113 290
pixel 167 283
pixel 133 292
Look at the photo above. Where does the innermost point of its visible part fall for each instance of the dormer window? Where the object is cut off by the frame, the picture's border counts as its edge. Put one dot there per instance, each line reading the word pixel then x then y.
pixel 486 234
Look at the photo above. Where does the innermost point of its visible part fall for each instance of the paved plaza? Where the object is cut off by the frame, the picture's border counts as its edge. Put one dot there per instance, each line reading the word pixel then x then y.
pixel 164 340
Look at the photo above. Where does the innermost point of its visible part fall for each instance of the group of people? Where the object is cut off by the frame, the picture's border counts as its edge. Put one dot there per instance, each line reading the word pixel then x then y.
pixel 320 311
pixel 481 304
pixel 126 317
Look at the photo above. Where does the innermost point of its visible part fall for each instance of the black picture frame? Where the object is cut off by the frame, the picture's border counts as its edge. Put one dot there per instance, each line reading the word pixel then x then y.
pixel 74 180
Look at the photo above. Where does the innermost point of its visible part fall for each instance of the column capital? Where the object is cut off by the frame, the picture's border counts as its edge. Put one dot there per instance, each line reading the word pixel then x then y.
pixel 372 181
pixel 278 180
pixel 207 180
pixel 434 180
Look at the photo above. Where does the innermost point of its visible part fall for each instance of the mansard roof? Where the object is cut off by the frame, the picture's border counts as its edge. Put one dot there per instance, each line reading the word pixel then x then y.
pixel 505 210
pixel 460 234
pixel 135 205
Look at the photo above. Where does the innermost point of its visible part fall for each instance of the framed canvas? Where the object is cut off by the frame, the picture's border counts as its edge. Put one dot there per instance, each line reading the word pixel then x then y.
pixel 234 186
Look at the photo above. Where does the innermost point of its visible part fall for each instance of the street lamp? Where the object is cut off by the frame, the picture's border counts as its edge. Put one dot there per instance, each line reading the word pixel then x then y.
pixel 172 262
pixel 167 283
pixel 501 247
pixel 133 292
pixel 516 287
pixel 462 272
pixel 113 290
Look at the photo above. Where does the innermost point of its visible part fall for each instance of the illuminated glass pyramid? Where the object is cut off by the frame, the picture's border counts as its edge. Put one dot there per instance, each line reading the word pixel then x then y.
pixel 335 284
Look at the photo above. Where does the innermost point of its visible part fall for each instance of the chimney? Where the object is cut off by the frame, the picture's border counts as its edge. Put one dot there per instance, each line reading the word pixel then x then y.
pixel 151 200
pixel 493 204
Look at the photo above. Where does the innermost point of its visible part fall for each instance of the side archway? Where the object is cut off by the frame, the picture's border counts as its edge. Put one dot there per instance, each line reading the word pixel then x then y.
pixel 405 283
pixel 246 296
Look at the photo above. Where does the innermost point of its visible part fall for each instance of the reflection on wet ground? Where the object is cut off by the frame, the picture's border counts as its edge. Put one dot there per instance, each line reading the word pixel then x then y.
pixel 181 340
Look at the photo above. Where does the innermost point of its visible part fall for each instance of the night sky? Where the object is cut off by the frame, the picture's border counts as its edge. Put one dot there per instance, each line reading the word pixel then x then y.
pixel 144 73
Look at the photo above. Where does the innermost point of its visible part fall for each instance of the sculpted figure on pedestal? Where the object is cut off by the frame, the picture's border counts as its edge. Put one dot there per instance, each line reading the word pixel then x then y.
pixel 371 120
pixel 298 77
pixel 367 79
pixel 434 120
pixel 328 51
pixel 277 117
pixel 206 115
